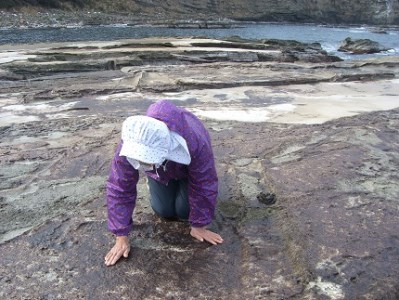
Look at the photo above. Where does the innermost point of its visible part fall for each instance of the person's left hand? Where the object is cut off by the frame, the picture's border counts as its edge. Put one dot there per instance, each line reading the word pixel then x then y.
pixel 201 234
pixel 121 248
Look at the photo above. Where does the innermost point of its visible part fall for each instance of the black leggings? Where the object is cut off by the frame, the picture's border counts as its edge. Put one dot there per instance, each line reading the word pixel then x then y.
pixel 169 201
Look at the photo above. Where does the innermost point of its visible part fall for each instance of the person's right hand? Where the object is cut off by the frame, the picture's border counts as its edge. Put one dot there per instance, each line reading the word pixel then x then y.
pixel 203 234
pixel 121 247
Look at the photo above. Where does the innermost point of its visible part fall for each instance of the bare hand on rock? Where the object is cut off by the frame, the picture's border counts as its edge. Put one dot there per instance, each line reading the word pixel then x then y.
pixel 121 247
pixel 201 234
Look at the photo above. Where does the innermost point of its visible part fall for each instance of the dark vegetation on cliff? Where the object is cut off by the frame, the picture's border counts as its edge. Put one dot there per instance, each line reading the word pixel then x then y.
pixel 9 4
pixel 301 11
pixel 72 5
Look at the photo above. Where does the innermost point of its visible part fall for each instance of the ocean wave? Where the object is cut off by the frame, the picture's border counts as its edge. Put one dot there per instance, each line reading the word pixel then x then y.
pixel 116 25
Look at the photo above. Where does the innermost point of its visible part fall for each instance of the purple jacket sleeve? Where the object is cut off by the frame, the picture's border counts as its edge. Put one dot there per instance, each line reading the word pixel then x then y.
pixel 121 190
pixel 202 187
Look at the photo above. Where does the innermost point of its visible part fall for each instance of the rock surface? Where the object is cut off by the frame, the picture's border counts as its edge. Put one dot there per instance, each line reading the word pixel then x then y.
pixel 308 201
pixel 320 11
pixel 361 46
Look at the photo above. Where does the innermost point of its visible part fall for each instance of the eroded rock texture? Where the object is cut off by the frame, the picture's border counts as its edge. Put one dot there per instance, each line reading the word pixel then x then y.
pixel 308 201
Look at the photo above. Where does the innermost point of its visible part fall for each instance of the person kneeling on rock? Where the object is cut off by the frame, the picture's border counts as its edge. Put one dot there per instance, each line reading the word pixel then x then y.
pixel 173 148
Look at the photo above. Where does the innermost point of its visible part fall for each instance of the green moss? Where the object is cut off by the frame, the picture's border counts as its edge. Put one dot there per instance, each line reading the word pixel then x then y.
pixel 239 211
pixel 255 214
pixel 231 209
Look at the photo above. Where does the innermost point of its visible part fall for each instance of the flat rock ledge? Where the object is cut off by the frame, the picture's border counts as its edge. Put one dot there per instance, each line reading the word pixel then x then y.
pixel 308 200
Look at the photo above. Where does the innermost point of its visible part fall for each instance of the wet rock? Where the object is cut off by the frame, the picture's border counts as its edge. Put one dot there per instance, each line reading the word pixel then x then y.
pixel 379 30
pixel 361 46
pixel 266 198
pixel 127 54
pixel 10 76
pixel 45 68
pixel 243 57
pixel 277 135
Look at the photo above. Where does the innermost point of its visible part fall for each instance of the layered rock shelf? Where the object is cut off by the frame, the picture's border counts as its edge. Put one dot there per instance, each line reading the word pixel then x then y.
pixel 306 148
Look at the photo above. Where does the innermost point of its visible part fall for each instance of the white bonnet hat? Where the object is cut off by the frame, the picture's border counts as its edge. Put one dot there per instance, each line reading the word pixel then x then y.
pixel 150 141
pixel 145 139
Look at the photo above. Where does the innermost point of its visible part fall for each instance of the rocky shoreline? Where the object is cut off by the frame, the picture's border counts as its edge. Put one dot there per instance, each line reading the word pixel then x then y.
pixel 60 18
pixel 318 134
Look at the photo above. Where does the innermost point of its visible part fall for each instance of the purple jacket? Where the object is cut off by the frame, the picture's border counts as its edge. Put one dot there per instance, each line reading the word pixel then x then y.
pixel 201 173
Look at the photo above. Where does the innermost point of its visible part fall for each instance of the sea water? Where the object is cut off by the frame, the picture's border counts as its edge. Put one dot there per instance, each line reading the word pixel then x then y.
pixel 329 37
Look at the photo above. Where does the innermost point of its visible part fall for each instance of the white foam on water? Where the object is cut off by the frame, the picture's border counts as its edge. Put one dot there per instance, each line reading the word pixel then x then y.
pixel 6 57
pixel 118 25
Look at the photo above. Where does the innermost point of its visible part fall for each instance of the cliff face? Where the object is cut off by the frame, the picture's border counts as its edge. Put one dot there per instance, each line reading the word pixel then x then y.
pixel 329 11
pixel 383 12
